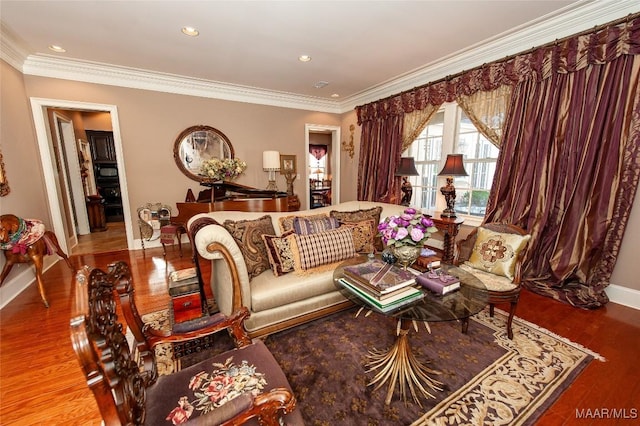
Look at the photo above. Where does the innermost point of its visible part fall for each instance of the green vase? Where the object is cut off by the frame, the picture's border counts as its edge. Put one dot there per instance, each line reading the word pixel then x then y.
pixel 406 255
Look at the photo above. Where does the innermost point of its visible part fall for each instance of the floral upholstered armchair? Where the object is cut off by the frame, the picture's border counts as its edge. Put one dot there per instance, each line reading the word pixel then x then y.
pixel 241 385
pixel 494 253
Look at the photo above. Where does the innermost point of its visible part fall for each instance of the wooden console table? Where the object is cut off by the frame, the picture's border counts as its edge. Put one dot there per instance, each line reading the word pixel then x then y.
pixel 449 228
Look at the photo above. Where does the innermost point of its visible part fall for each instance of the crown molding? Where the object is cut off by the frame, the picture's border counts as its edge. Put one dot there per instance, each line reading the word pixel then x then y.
pixel 11 50
pixel 570 20
pixel 93 72
pixel 564 23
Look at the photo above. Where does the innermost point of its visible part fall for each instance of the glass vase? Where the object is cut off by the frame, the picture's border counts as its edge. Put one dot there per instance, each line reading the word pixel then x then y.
pixel 406 255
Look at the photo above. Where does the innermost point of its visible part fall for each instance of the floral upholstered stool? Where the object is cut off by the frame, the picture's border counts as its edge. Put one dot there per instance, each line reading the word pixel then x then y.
pixel 168 234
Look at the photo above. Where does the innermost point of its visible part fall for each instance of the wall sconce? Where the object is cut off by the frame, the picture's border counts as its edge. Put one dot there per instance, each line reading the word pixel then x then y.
pixel 349 147
pixel 271 164
pixel 407 167
pixel 452 167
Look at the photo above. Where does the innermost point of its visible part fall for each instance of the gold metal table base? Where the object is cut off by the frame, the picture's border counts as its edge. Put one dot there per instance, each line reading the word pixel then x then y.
pixel 399 365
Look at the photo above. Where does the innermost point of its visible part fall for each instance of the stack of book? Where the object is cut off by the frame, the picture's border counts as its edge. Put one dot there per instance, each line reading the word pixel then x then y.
pixel 383 286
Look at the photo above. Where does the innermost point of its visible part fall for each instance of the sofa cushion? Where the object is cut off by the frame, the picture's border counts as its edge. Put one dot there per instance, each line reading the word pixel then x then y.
pixel 286 222
pixel 248 235
pixel 360 215
pixel 357 215
pixel 323 248
pixel 268 292
pixel 307 226
pixel 364 233
pixel 497 252
pixel 280 252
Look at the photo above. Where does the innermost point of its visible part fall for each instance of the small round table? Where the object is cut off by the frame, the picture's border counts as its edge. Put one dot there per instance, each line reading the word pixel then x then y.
pixel 398 364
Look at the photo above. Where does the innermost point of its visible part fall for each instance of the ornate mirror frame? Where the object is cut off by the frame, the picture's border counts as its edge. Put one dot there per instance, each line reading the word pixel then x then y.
pixel 197 144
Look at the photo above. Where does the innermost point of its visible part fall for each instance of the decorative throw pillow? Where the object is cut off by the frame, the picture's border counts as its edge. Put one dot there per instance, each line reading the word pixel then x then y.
pixel 360 215
pixel 357 215
pixel 497 252
pixel 280 252
pixel 364 234
pixel 286 223
pixel 248 234
pixel 323 248
pixel 306 226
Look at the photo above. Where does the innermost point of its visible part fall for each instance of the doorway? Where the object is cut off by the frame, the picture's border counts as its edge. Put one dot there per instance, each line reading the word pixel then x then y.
pixel 334 160
pixel 58 209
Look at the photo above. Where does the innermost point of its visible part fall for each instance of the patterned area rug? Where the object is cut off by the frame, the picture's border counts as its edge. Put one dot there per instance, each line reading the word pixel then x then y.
pixel 488 379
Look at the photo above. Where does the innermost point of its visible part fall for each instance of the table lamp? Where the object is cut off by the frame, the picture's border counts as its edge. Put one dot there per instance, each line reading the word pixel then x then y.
pixel 452 167
pixel 271 164
pixel 407 167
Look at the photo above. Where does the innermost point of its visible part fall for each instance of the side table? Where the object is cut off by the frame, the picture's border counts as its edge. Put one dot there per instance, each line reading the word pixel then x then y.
pixel 449 227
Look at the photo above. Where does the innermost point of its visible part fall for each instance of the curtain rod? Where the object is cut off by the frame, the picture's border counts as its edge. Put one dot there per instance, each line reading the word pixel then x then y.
pixel 597 28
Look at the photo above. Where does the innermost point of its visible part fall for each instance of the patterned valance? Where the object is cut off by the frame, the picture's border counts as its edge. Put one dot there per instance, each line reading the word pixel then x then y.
pixel 598 46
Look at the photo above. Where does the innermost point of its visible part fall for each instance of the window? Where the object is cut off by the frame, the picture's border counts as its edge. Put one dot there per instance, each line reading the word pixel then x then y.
pixel 451 131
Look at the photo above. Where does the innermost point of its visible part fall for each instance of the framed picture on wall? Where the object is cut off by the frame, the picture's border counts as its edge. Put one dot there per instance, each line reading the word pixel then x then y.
pixel 288 164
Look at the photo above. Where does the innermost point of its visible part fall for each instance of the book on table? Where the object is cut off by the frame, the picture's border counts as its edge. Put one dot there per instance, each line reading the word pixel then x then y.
pixel 406 296
pixel 438 281
pixel 380 277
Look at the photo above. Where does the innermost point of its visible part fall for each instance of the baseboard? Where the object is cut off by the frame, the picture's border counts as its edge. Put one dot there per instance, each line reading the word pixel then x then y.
pixel 624 296
pixel 17 282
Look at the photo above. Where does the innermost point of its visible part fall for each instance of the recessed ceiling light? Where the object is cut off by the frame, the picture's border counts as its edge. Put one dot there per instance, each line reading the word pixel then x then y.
pixel 321 84
pixel 57 49
pixel 190 31
pixel 335 95
pixel 304 58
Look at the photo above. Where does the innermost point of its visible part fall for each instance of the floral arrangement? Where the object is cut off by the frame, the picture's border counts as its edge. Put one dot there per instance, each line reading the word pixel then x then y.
pixel 411 228
pixel 222 169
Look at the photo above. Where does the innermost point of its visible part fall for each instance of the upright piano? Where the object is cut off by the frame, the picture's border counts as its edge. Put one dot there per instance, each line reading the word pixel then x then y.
pixel 234 196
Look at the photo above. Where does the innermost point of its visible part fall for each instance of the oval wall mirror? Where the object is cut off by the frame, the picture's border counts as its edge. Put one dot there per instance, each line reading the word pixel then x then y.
pixel 197 144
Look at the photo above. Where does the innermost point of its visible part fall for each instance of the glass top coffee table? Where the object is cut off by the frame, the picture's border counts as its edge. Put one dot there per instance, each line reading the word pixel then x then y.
pixel 398 364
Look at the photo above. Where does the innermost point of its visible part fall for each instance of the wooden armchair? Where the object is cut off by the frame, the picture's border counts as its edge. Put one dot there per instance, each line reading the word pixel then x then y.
pixel 241 385
pixel 493 253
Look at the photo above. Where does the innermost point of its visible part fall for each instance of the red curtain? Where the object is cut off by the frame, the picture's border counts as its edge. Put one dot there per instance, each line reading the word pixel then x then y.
pixel 571 147
pixel 380 152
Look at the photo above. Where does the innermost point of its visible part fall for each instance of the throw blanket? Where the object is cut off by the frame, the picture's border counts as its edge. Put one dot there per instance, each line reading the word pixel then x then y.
pixel 28 233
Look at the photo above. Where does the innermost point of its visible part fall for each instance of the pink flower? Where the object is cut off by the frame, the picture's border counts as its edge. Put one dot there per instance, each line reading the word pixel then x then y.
pixel 401 233
pixel 417 234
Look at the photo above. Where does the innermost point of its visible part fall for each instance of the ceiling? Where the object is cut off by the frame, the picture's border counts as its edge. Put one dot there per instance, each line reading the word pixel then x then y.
pixel 360 48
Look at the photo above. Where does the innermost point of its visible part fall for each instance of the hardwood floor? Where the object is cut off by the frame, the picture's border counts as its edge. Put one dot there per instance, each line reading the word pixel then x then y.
pixel 41 381
pixel 114 238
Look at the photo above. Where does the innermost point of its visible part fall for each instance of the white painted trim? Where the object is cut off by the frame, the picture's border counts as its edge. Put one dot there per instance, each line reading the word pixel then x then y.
pixel 573 19
pixel 334 160
pixel 38 106
pixel 94 72
pixel 624 296
pixel 19 282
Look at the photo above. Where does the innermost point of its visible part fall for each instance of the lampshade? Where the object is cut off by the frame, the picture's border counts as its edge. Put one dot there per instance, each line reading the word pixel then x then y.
pixel 271 160
pixel 407 167
pixel 453 166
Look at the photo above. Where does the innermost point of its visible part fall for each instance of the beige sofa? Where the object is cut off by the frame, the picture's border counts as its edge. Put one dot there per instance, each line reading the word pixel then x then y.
pixel 275 302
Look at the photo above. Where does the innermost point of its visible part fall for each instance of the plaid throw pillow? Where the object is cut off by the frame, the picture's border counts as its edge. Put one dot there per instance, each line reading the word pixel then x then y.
pixel 323 248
